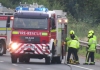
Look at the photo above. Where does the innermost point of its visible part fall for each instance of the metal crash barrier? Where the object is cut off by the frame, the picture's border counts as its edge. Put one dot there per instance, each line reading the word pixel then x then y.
pixel 85 44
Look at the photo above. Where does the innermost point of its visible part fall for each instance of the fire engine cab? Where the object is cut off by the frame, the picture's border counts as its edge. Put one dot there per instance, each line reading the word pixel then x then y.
pixel 36 34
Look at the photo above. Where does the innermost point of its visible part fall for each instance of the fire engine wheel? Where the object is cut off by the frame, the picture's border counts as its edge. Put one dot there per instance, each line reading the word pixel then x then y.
pixel 58 59
pixel 53 61
pixel 13 58
pixel 1 49
pixel 27 60
pixel 21 59
pixel 47 60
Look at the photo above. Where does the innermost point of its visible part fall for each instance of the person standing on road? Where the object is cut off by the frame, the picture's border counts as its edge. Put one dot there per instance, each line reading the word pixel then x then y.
pixel 73 46
pixel 72 33
pixel 90 50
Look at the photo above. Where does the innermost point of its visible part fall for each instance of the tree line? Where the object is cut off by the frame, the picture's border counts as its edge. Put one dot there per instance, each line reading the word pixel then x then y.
pixel 81 10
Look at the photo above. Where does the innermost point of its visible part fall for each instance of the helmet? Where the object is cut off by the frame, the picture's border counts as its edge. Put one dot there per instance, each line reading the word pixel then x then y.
pixel 91 31
pixel 89 35
pixel 72 32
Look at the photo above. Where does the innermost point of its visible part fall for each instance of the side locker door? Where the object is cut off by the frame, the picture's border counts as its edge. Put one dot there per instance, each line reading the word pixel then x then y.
pixel 9 30
pixel 58 29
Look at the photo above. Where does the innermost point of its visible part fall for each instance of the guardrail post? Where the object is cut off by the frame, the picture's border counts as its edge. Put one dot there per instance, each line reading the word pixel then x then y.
pixel 96 50
pixel 81 47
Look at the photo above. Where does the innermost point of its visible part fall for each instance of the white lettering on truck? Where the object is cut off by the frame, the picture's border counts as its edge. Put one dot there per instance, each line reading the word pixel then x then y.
pixel 29 33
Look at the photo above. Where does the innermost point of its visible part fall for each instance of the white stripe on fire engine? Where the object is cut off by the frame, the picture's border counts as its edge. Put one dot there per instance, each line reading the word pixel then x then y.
pixel 47 51
pixel 44 45
pixel 36 50
pixel 39 48
pixel 27 48
pixel 21 48
pixel 17 49
pixel 24 48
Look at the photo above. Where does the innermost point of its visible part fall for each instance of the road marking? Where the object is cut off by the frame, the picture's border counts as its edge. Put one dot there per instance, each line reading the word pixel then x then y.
pixel 29 68
pixel 81 67
pixel 78 66
pixel 15 64
pixel 1 61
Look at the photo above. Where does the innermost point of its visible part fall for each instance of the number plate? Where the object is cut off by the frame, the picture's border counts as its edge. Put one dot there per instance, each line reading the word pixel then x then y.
pixel 30 47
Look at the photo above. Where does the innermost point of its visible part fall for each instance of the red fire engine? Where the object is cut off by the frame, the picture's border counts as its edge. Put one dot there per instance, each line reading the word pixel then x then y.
pixel 37 34
pixel 4 31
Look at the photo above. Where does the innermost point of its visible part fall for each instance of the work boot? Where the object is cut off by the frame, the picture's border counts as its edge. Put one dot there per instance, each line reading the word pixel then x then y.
pixel 92 63
pixel 85 63
pixel 70 61
pixel 76 63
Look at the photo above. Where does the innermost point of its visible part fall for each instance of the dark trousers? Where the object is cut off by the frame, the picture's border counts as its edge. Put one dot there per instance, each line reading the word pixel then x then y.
pixel 74 56
pixel 72 51
pixel 90 55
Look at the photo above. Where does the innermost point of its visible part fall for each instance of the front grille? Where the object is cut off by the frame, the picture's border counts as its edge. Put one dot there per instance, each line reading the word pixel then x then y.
pixel 29 39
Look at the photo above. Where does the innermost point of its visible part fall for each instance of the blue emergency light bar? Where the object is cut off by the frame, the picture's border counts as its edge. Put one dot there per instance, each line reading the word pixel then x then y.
pixel 31 9
pixel 22 8
pixel 41 9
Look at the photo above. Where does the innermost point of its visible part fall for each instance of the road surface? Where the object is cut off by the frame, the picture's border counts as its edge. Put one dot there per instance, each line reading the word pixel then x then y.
pixel 36 64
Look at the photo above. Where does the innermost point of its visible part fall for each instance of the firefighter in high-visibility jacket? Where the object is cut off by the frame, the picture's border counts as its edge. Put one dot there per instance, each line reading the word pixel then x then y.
pixel 94 36
pixel 90 50
pixel 72 49
pixel 71 34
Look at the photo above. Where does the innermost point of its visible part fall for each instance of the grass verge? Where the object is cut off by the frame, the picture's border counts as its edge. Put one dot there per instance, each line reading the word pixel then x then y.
pixel 82 52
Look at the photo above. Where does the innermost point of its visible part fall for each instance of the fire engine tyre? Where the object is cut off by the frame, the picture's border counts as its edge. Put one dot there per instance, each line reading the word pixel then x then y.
pixel 53 49
pixel 13 58
pixel 53 61
pixel 27 60
pixel 1 49
pixel 47 60
pixel 59 59
pixel 21 59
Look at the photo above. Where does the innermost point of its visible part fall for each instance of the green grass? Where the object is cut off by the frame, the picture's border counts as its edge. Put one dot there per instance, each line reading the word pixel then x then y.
pixel 82 52
pixel 81 28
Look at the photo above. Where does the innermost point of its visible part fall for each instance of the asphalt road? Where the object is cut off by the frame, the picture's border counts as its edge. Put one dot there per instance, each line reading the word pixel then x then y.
pixel 36 64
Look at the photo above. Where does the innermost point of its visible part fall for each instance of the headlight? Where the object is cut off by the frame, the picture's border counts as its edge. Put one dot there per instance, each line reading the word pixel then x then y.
pixel 44 47
pixel 14 46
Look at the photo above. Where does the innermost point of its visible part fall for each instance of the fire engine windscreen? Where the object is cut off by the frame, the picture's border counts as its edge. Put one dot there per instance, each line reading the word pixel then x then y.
pixel 28 23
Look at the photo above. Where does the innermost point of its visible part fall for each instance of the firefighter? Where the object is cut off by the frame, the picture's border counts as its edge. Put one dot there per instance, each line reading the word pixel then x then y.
pixel 90 50
pixel 91 31
pixel 72 33
pixel 73 46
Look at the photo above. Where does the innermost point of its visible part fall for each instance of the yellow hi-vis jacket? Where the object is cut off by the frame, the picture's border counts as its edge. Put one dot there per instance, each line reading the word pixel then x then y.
pixel 92 44
pixel 69 38
pixel 74 44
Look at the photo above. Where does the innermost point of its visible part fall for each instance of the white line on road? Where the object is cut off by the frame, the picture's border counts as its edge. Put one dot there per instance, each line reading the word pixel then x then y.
pixel 78 66
pixel 15 64
pixel 29 68
pixel 1 61
pixel 81 67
